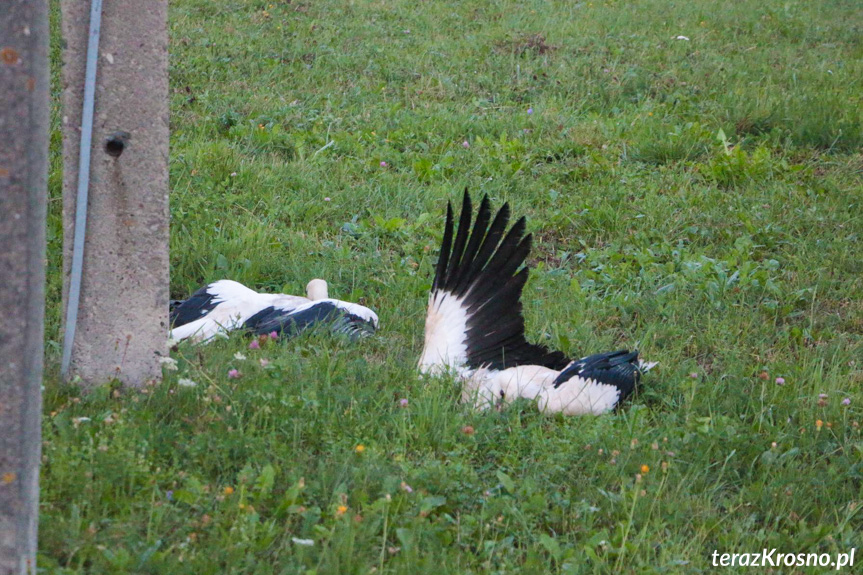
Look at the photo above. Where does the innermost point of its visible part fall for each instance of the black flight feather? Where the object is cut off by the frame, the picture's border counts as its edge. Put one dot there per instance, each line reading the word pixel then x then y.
pixel 488 273
pixel 197 306
pixel 460 238
pixel 472 249
pixel 446 245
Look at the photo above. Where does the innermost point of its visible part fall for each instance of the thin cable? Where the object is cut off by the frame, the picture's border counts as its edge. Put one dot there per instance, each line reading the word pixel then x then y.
pixel 83 185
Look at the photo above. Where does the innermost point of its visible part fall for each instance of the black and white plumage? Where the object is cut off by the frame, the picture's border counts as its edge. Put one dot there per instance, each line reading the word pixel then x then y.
pixel 226 305
pixel 475 326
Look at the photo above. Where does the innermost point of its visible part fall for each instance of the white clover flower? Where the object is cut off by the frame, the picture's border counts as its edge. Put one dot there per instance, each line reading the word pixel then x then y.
pixel 305 542
pixel 168 363
pixel 186 382
pixel 239 356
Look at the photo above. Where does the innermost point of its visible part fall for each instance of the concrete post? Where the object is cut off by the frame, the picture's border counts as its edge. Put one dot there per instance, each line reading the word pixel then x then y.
pixel 123 315
pixel 23 188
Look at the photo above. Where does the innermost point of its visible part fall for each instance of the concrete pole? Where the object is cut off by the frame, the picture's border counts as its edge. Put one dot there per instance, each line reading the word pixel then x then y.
pixel 23 189
pixel 123 316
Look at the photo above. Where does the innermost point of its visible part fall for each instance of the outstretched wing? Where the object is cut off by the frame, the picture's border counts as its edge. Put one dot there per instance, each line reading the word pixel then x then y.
pixel 475 315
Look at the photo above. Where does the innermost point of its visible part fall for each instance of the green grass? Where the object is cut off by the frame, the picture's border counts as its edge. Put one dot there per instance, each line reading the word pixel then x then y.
pixel 699 200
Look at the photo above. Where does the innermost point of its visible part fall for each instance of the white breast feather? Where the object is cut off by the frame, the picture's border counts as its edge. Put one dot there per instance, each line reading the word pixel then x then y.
pixel 226 290
pixel 579 397
pixel 483 387
pixel 285 302
pixel 223 318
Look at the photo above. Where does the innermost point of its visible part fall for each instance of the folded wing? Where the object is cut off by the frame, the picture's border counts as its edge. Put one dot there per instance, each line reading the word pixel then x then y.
pixel 619 369
pixel 350 319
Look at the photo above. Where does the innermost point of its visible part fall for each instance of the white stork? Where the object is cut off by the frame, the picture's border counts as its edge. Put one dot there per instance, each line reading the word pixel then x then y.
pixel 226 305
pixel 475 326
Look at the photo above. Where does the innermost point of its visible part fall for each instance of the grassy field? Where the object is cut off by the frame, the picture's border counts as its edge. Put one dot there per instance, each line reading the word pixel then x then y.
pixel 693 177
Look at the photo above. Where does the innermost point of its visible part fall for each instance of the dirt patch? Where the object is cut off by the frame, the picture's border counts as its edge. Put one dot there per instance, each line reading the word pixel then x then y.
pixel 534 44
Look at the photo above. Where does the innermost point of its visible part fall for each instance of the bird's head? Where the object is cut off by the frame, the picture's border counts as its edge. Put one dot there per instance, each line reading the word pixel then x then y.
pixel 316 290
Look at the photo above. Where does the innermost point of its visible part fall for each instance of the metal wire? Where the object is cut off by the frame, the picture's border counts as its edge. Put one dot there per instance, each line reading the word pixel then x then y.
pixel 83 185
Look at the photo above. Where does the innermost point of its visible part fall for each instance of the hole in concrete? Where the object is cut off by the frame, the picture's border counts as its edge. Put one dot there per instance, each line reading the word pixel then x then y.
pixel 116 143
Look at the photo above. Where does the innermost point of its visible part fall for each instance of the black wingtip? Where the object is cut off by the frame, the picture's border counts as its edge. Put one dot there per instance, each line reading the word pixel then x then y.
pixel 461 240
pixel 443 257
pixel 484 265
